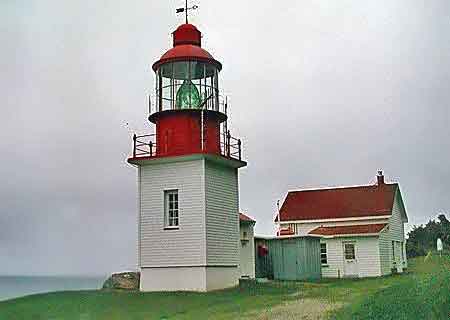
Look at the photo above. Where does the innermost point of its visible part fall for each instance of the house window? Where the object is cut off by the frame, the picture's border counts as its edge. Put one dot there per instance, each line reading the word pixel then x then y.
pixel 349 251
pixel 323 253
pixel 171 208
pixel 293 227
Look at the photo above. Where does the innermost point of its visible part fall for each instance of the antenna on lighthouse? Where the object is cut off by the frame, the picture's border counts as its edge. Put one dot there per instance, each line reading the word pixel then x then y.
pixel 186 9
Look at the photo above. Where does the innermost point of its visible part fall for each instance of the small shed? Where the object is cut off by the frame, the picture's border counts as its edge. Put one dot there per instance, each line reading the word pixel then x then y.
pixel 288 258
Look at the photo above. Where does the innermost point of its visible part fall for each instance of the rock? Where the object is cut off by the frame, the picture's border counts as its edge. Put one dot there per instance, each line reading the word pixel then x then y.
pixel 123 280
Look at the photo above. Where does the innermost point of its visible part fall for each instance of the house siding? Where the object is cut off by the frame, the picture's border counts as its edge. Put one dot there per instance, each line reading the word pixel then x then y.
pixel 384 243
pixel 247 251
pixel 396 233
pixel 222 215
pixel 335 260
pixel 182 247
pixel 367 257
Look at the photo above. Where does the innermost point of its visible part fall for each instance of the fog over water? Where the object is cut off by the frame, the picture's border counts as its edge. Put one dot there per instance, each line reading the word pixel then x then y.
pixel 322 94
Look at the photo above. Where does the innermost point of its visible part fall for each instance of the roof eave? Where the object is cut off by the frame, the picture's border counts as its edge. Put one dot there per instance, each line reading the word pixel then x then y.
pixel 347 235
pixel 372 217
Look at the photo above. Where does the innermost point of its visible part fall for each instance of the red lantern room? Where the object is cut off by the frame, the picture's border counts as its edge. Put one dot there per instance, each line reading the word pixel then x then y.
pixel 188 110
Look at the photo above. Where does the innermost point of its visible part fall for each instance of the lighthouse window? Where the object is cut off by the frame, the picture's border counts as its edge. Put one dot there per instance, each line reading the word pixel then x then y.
pixel 171 208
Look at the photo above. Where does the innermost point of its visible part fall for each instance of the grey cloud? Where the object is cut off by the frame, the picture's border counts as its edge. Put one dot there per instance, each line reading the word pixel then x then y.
pixel 321 93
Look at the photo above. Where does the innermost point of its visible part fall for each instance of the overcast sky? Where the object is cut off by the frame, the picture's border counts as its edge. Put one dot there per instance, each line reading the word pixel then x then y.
pixel 323 93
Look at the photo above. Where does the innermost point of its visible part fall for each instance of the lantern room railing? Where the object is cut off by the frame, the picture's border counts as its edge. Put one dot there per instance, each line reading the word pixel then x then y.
pixel 144 146
pixel 231 147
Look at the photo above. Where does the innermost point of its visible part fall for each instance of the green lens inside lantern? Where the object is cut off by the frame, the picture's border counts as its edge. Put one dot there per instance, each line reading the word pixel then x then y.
pixel 188 96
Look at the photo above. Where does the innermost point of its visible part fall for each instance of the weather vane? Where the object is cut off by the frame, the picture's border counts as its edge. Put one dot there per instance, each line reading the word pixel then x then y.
pixel 186 9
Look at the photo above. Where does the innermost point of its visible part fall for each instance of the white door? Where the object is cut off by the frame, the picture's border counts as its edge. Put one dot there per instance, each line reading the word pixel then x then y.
pixel 350 261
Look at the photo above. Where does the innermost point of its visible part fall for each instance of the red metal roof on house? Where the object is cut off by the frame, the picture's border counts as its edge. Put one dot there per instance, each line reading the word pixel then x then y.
pixel 346 202
pixel 348 230
pixel 243 217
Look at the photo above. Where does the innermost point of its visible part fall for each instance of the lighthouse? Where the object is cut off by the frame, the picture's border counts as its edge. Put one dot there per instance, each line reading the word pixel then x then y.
pixel 188 196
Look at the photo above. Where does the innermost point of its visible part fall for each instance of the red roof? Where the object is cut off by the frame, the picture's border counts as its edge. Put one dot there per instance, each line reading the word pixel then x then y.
pixel 346 202
pixel 285 232
pixel 243 217
pixel 348 230
pixel 186 47
pixel 187 34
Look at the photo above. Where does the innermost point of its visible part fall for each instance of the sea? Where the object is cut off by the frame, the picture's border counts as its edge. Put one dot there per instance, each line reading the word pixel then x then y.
pixel 18 286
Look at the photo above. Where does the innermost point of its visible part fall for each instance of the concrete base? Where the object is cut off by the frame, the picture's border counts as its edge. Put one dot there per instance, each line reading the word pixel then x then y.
pixel 188 278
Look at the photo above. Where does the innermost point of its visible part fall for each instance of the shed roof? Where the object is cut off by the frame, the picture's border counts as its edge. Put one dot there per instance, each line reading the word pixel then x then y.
pixel 342 202
pixel 245 218
pixel 362 229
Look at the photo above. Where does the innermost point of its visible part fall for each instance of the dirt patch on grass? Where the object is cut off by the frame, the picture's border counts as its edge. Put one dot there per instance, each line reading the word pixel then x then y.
pixel 304 309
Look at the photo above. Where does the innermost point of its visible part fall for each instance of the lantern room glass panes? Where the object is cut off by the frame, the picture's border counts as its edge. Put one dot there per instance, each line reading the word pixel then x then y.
pixel 187 85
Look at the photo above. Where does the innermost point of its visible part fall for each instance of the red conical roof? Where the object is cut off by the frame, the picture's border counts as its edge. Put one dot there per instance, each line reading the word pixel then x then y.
pixel 186 47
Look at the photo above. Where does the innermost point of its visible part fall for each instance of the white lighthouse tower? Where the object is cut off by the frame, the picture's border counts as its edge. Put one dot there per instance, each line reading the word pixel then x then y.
pixel 188 176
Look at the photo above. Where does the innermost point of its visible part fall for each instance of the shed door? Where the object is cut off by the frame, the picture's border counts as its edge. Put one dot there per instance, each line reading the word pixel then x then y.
pixel 290 260
pixel 350 261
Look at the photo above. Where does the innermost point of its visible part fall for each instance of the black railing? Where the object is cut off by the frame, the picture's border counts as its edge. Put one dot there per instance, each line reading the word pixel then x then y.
pixel 145 146
pixel 231 147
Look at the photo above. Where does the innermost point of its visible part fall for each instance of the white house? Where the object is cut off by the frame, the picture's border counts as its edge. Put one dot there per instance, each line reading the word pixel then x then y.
pixel 247 247
pixel 361 227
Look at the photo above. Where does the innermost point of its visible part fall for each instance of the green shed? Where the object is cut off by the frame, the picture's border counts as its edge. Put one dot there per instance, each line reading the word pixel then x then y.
pixel 288 258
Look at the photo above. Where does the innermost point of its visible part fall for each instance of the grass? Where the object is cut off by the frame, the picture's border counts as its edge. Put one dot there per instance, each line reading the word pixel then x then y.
pixel 423 293
pixel 226 304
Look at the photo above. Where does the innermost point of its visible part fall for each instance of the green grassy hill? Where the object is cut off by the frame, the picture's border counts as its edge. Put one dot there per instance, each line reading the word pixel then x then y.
pixel 423 293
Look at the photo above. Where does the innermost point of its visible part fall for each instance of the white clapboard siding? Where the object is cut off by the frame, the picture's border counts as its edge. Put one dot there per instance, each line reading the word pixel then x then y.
pixel 367 257
pixel 247 251
pixel 185 246
pixel 384 243
pixel 335 259
pixel 396 226
pixel 222 215
pixel 396 233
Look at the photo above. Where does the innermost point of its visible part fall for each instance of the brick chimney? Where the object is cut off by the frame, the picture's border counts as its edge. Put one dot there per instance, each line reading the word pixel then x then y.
pixel 380 178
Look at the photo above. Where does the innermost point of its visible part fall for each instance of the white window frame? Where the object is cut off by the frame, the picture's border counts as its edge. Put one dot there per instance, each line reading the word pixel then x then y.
pixel 324 253
pixel 349 255
pixel 171 209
